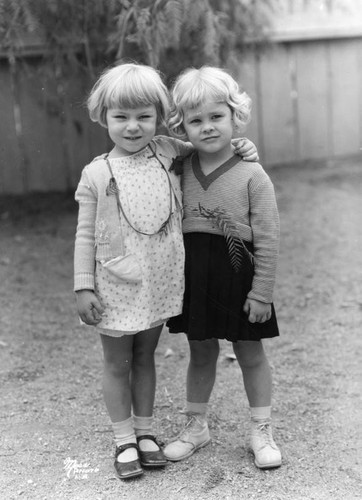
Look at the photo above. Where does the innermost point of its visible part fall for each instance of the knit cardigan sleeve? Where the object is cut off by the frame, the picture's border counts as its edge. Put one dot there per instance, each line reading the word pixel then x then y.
pixel 84 251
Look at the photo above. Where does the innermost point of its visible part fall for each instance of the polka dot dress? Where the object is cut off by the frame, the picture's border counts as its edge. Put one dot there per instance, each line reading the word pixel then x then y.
pixel 145 196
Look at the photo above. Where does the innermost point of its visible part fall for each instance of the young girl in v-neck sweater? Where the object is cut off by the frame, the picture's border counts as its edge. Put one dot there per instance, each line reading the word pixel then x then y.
pixel 231 236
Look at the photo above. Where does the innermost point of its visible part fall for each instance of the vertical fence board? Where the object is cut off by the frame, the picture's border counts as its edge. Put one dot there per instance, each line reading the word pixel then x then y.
pixel 313 87
pixel 42 130
pixel 247 78
pixel 88 139
pixel 279 127
pixel 346 84
pixel 10 157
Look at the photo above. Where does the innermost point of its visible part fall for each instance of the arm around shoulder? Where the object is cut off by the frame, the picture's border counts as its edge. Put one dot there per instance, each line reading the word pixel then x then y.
pixel 181 148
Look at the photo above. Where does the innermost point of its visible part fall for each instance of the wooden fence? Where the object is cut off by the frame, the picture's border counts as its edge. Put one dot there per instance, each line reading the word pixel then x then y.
pixel 307 104
pixel 307 98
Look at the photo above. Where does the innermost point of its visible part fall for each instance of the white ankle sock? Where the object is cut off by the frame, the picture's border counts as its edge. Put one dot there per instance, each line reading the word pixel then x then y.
pixel 198 408
pixel 124 434
pixel 143 426
pixel 258 413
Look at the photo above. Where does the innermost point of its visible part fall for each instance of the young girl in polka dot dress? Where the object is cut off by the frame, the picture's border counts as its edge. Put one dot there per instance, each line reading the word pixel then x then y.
pixel 130 210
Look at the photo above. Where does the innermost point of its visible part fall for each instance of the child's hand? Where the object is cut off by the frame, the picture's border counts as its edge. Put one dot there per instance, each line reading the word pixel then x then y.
pixel 246 149
pixel 258 312
pixel 90 309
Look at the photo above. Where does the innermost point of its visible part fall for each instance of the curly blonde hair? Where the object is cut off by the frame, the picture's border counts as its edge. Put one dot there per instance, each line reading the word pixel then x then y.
pixel 128 86
pixel 195 86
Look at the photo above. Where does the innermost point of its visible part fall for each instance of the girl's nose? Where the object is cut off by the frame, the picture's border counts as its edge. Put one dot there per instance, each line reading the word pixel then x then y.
pixel 208 127
pixel 132 125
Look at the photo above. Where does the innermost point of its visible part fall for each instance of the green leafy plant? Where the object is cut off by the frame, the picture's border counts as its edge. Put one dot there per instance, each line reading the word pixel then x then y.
pixel 75 40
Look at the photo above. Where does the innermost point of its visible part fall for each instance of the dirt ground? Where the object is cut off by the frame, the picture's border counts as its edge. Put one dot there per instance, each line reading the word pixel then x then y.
pixel 55 434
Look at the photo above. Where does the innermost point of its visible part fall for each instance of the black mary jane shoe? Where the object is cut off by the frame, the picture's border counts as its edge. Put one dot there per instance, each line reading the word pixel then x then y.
pixel 151 458
pixel 127 470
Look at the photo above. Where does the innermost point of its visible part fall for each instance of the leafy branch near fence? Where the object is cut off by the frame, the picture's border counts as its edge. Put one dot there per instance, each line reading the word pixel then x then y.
pixel 174 34
pixel 153 31
pixel 85 36
pixel 78 39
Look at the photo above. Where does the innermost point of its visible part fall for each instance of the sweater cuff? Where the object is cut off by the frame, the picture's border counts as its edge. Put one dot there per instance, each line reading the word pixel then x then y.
pixel 265 298
pixel 84 281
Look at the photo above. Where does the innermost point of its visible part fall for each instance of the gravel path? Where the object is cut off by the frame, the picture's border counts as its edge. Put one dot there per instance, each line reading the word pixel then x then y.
pixel 55 436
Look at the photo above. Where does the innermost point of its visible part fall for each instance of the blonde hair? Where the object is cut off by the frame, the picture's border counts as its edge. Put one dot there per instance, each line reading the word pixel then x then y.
pixel 128 86
pixel 195 86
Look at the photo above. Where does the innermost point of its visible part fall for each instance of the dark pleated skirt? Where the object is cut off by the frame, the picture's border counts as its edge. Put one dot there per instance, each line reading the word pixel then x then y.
pixel 215 294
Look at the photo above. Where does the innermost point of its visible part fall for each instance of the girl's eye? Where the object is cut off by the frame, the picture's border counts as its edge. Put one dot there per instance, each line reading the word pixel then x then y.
pixel 145 117
pixel 216 117
pixel 195 120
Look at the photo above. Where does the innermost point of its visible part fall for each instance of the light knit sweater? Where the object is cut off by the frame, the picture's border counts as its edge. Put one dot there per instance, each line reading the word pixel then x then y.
pixel 98 234
pixel 244 191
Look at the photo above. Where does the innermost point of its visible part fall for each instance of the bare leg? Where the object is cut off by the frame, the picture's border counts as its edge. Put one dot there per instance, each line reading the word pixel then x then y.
pixel 201 376
pixel 258 387
pixel 118 354
pixel 256 372
pixel 201 371
pixel 143 376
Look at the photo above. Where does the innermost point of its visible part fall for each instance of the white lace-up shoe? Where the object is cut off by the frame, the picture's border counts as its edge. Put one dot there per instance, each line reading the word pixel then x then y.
pixel 267 454
pixel 194 436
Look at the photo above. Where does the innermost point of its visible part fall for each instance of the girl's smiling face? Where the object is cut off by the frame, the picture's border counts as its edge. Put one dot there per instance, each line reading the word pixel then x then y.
pixel 131 129
pixel 209 127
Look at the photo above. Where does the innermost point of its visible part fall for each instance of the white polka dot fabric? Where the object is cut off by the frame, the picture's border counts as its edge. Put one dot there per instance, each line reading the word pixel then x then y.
pixel 145 197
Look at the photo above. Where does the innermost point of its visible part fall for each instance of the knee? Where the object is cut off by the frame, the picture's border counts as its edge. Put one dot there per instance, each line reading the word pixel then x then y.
pixel 118 368
pixel 204 353
pixel 249 354
pixel 143 357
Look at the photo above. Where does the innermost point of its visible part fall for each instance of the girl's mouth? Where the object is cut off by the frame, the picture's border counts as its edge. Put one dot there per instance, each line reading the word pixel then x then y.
pixel 133 138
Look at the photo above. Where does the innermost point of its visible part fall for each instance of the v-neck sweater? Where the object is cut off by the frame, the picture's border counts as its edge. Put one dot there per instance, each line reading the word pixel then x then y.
pixel 245 192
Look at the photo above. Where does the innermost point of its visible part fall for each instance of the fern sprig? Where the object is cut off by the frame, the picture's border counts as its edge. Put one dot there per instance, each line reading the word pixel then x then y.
pixel 236 247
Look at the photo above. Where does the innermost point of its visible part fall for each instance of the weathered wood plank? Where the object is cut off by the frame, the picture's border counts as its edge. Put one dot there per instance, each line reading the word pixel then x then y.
pixel 246 75
pixel 277 95
pixel 10 155
pixel 313 83
pixel 346 93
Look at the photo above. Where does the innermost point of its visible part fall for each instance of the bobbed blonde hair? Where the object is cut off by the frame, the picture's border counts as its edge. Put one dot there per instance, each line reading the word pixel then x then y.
pixel 128 85
pixel 195 86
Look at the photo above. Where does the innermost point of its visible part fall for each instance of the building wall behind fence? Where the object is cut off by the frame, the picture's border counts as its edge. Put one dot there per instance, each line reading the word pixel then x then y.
pixel 307 104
